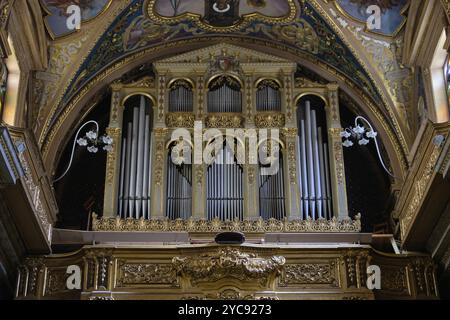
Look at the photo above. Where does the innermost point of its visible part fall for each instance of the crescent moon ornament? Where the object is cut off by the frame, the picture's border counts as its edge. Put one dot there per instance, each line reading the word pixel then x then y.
pixel 223 10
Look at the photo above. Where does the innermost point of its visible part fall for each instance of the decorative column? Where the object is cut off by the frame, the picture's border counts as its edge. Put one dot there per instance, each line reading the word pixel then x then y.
pixel 251 168
pixel 160 110
pixel 110 203
pixel 292 191
pixel 338 184
pixel 291 187
pixel 199 167
pixel 251 187
pixel 199 191
pixel 159 159
pixel 288 107
pixel 199 98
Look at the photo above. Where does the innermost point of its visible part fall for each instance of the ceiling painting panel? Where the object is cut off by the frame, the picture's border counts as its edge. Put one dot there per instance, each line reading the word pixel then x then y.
pixel 56 19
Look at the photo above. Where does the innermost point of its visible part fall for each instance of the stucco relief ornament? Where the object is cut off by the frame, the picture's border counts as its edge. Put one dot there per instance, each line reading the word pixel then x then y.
pixel 92 141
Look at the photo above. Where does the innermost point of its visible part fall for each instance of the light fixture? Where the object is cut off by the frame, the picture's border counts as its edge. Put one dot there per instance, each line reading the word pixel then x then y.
pixel 91 141
pixel 360 134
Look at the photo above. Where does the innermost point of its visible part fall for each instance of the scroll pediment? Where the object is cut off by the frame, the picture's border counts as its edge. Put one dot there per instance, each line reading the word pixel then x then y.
pixel 205 55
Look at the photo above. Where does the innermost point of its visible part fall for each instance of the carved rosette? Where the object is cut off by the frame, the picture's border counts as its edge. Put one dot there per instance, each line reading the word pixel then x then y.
pixel 180 120
pixel 270 120
pixel 224 121
pixel 228 263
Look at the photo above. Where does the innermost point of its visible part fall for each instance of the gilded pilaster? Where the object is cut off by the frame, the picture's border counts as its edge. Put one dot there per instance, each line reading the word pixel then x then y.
pixel 199 102
pixel 199 191
pixel 159 159
pixel 251 191
pixel 292 191
pixel 114 130
pixel 338 184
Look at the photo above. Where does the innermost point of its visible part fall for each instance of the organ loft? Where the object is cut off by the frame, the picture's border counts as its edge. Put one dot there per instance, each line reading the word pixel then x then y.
pixel 231 150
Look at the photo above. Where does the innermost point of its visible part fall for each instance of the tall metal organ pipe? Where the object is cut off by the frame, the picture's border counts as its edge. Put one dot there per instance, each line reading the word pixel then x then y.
pixel 224 187
pixel 134 191
pixel 314 168
pixel 271 193
pixel 224 99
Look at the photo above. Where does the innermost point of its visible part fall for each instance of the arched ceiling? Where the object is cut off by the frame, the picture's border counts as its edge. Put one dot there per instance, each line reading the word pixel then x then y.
pixel 130 32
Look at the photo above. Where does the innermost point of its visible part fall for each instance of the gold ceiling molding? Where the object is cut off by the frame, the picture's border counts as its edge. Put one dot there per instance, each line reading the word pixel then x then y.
pixel 214 226
pixel 245 20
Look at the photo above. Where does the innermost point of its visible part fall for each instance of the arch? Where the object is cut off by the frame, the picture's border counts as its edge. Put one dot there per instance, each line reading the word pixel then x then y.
pixel 63 123
pixel 310 93
pixel 139 93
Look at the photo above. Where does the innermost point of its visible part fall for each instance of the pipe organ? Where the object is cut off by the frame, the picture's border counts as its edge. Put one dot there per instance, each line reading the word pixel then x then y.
pixel 271 193
pixel 225 199
pixel 313 163
pixel 179 190
pixel 212 86
pixel 135 173
pixel 268 96
pixel 224 95
pixel 181 97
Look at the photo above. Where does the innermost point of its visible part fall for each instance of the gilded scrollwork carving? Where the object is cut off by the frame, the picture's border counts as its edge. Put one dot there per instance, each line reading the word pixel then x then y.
pixel 229 263
pixel 419 192
pixel 115 134
pixel 213 226
pixel 223 120
pixel 180 120
pixel 270 120
pixel 146 274
pixel 310 274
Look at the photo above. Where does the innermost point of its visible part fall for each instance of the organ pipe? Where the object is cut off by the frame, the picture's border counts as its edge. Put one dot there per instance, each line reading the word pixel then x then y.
pixel 134 197
pixel 224 99
pixel 314 168
pixel 317 173
pixel 271 194
pixel 181 97
pixel 224 187
pixel 268 98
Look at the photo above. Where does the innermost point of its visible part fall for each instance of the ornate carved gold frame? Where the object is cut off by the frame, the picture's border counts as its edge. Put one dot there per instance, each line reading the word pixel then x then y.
pixel 245 20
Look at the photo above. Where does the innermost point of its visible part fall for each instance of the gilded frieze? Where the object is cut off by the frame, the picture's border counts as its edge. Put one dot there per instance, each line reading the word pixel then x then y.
pixel 270 120
pixel 146 274
pixel 214 226
pixel 180 120
pixel 309 274
pixel 224 120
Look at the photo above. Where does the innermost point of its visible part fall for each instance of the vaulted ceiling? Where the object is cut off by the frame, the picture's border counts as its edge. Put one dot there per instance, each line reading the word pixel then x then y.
pixel 329 37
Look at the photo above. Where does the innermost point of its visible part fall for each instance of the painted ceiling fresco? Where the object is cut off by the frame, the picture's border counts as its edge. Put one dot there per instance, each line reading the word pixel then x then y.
pixel 220 13
pixel 133 31
pixel 392 18
pixel 178 7
pixel 57 13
